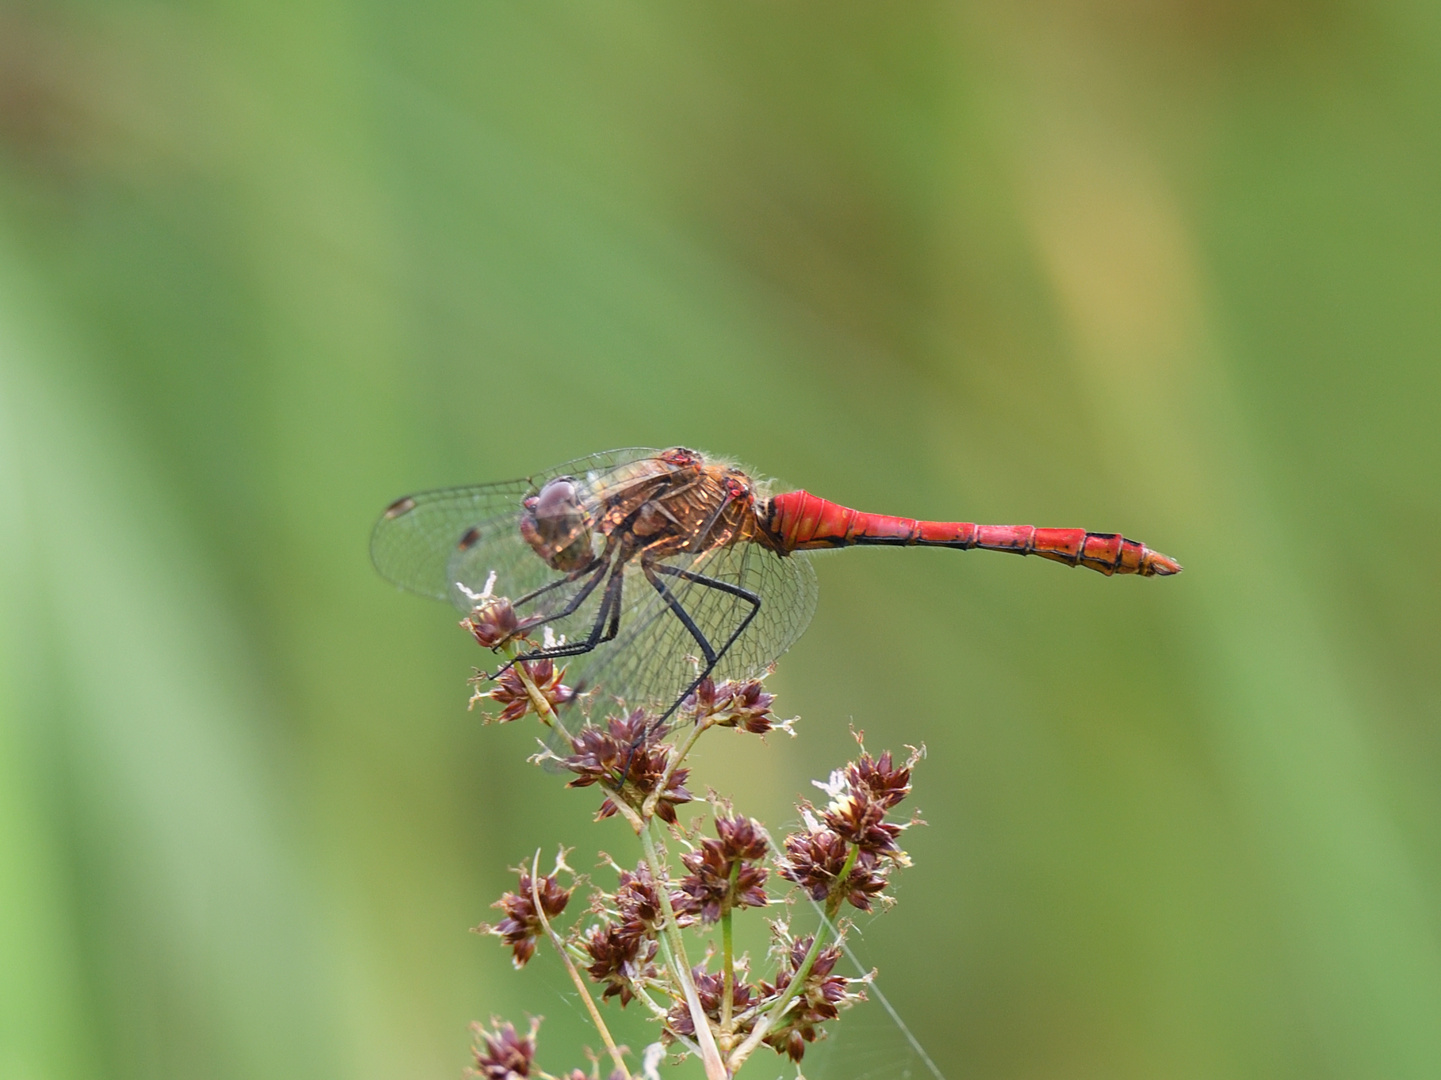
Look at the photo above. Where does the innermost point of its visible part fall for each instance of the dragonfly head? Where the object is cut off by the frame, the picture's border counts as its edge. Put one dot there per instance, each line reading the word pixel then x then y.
pixel 556 525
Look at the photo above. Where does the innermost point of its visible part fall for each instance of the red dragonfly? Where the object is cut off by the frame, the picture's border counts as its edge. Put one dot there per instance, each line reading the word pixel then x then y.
pixel 651 569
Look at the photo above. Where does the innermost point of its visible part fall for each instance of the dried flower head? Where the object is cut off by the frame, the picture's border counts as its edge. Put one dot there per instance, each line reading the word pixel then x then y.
pixel 709 988
pixel 723 872
pixel 619 959
pixel 501 1053
pixel 820 999
pixel 492 622
pixel 627 756
pixel 815 859
pixel 861 795
pixel 742 704
pixel 861 821
pixel 522 925
pixel 886 782
pixel 509 691
pixel 637 903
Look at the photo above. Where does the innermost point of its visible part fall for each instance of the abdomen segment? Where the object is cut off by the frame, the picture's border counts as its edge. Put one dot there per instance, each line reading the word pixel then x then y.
pixel 800 521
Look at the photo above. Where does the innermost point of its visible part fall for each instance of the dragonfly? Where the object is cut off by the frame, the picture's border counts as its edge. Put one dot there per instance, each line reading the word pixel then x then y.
pixel 647 571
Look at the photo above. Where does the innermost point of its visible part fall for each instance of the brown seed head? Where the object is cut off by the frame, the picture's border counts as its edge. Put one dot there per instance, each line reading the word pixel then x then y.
pixel 710 988
pixel 638 903
pixel 492 623
pixel 819 1000
pixel 886 782
pixel 503 1054
pixel 508 689
pixel 814 860
pixel 627 756
pixel 522 925
pixel 723 872
pixel 732 704
pixel 861 794
pixel 861 821
pixel 618 959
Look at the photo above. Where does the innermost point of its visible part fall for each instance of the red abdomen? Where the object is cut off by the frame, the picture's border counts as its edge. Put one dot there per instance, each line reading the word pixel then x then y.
pixel 800 521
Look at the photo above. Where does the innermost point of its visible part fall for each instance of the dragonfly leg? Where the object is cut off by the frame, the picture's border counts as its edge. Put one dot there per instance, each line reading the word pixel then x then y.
pixel 574 575
pixel 572 605
pixel 712 655
pixel 680 613
pixel 605 627
pixel 725 587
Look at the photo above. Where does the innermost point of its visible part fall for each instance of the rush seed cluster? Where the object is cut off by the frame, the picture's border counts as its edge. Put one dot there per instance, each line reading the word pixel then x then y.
pixel 628 943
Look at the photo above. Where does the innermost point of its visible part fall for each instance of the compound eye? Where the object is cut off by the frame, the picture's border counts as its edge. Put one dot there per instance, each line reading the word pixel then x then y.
pixel 558 498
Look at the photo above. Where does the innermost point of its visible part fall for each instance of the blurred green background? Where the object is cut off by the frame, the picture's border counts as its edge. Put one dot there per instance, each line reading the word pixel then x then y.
pixel 1169 268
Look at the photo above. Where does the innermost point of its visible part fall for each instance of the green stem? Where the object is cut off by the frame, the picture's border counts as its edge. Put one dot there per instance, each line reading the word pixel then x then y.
pixel 728 952
pixel 710 1055
pixel 768 1021
pixel 648 809
pixel 559 944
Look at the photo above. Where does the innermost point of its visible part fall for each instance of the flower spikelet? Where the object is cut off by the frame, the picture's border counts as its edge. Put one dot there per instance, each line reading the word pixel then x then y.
pixel 492 623
pixel 637 902
pixel 618 959
pixel 709 988
pixel 503 1054
pixel 627 756
pixel 814 860
pixel 851 831
pixel 862 794
pixel 509 691
pixel 733 703
pixel 723 872
pixel 522 925
pixel 820 999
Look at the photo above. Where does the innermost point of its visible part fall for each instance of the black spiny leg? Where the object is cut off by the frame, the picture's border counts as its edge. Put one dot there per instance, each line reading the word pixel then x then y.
pixel 726 587
pixel 712 655
pixel 575 575
pixel 607 621
pixel 597 571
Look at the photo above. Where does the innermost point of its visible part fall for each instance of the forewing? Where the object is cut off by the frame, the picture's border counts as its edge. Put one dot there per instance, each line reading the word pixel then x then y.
pixel 435 540
pixel 418 537
pixel 656 658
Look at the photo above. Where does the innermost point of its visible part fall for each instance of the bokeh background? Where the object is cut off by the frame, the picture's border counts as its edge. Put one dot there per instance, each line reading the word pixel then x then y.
pixel 1172 268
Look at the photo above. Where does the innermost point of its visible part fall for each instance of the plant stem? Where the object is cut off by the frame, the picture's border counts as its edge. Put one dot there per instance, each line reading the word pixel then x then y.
pixel 648 809
pixel 537 699
pixel 559 944
pixel 710 1055
pixel 662 1015
pixel 728 952
pixel 768 1021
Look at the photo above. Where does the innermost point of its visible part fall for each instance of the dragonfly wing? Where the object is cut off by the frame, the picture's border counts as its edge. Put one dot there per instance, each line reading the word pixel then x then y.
pixel 432 541
pixel 418 537
pixel 656 657
pixel 595 466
